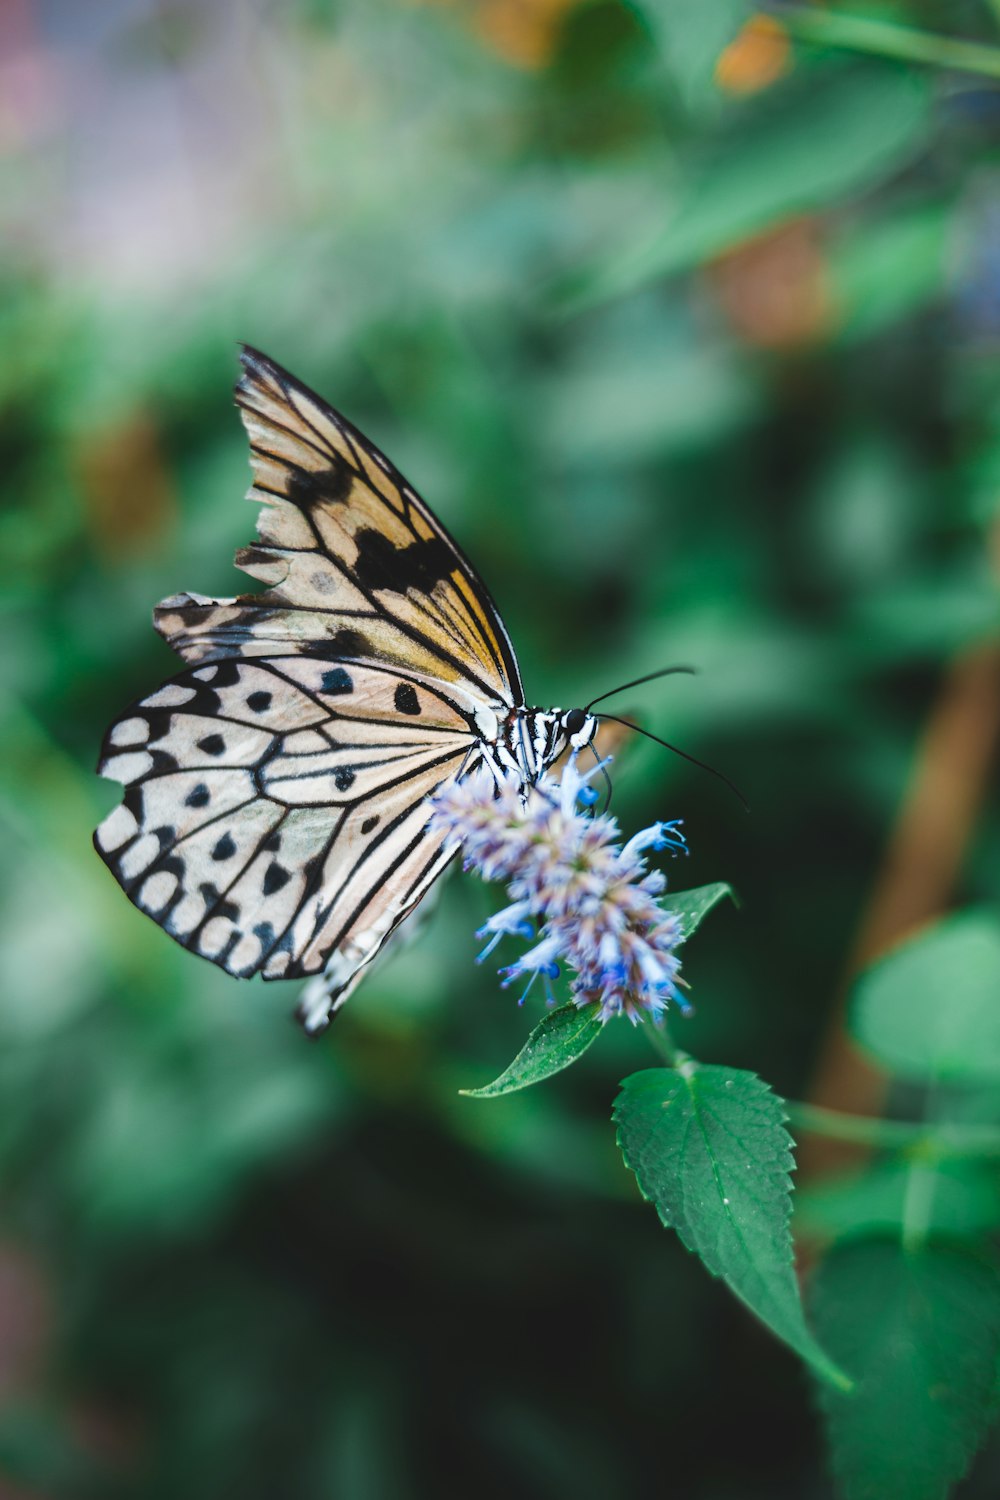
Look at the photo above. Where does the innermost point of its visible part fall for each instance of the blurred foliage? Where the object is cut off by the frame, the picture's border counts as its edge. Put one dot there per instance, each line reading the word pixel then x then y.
pixel 908 1322
pixel 930 1008
pixel 699 362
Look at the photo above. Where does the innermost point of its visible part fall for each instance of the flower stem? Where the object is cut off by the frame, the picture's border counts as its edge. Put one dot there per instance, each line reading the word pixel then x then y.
pixel 921 1140
pixel 661 1043
pixel 886 39
pixel 918 1203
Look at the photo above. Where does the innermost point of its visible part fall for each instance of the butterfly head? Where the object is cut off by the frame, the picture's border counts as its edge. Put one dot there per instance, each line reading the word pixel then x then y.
pixel 533 738
pixel 578 727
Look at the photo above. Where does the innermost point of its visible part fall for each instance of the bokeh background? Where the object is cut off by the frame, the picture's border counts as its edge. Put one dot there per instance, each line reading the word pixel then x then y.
pixel 690 331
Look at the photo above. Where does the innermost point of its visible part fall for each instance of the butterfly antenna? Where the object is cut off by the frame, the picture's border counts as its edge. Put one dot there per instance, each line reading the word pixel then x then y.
pixel 682 753
pixel 649 677
pixel 602 767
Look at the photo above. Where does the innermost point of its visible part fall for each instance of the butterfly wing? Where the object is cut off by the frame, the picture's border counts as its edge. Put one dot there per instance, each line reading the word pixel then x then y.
pixel 274 819
pixel 275 812
pixel 355 562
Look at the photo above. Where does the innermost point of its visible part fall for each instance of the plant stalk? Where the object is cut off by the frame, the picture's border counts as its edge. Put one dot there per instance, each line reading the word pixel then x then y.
pixel 662 1043
pixel 886 39
pixel 923 1140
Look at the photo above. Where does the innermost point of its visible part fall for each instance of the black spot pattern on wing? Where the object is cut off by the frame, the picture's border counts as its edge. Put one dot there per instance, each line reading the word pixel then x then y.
pixel 349 642
pixel 381 565
pixel 405 699
pixel 158 720
pixel 227 674
pixel 251 556
pixel 265 934
pixel 163 761
pixel 337 681
pixel 345 642
pixel 225 848
pixel 214 902
pixel 359 575
pixel 329 493
pixel 275 876
pixel 307 487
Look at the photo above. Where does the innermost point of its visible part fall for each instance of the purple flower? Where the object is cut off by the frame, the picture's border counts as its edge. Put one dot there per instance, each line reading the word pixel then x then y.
pixel 583 899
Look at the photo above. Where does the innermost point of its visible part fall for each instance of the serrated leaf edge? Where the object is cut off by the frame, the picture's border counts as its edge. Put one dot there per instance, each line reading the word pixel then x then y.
pixel 823 1366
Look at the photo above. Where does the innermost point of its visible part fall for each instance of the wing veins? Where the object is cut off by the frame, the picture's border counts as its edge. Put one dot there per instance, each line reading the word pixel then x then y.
pixel 357 766
pixel 223 894
pixel 388 872
pixel 269 378
pixel 338 422
pixel 156 865
pixel 267 420
pixel 388 786
pixel 349 874
pixel 381 611
pixel 369 665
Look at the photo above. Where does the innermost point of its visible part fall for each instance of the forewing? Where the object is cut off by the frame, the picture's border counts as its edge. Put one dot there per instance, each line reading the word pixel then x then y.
pixel 356 564
pixel 275 810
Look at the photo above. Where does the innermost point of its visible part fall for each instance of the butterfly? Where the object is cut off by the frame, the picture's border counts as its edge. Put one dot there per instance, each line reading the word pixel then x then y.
pixel 275 815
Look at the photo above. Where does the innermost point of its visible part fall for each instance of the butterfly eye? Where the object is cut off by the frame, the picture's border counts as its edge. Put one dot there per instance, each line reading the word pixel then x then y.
pixel 574 721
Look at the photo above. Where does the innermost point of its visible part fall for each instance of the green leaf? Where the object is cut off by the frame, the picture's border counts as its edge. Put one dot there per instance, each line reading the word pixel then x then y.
pixel 883 270
pixel 932 1007
pixel 835 131
pixel 565 1034
pixel 692 34
pixel 921 1331
pixel 709 1148
pixel 692 907
pixel 558 1040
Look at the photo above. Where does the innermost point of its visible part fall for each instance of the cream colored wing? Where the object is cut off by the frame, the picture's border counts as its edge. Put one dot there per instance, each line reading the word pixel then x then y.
pixel 275 817
pixel 357 566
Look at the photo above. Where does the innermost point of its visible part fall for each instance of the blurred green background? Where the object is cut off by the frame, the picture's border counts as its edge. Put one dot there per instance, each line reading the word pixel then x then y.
pixel 689 331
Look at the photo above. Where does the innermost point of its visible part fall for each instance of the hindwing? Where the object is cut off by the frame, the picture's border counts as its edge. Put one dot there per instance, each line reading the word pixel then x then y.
pixel 275 809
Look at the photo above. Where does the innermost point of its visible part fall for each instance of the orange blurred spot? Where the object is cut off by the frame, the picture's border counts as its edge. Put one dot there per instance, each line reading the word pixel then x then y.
pixel 775 290
pixel 758 57
pixel 127 490
pixel 524 32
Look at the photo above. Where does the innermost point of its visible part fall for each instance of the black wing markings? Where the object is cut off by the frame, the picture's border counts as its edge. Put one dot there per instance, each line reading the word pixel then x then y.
pixel 345 877
pixel 366 854
pixel 172 856
pixel 265 368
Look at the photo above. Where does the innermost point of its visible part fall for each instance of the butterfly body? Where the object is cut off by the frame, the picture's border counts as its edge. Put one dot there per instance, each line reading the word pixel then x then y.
pixel 275 813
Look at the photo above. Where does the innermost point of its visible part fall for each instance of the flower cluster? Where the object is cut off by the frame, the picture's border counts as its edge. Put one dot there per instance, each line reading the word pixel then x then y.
pixel 587 901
